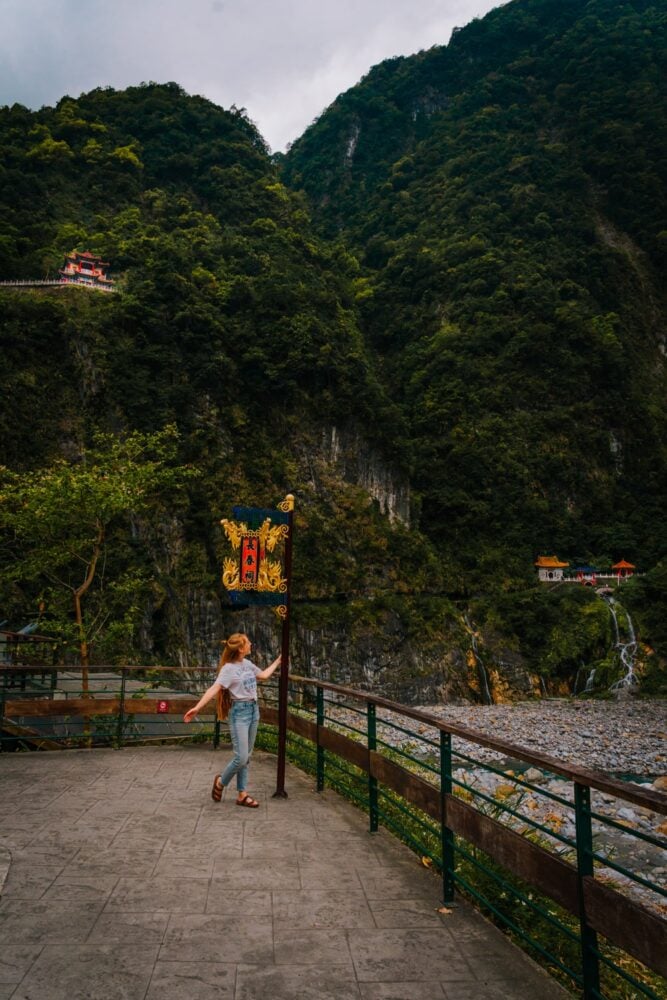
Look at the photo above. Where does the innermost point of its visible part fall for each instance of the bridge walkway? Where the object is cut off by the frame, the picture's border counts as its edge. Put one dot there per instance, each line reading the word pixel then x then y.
pixel 127 882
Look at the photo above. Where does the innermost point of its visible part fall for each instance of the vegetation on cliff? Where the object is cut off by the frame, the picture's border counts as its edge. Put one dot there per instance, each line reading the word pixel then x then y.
pixel 506 196
pixel 475 306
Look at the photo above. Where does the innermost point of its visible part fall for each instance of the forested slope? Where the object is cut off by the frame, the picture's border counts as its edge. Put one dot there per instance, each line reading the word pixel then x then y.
pixel 232 321
pixel 457 364
pixel 507 195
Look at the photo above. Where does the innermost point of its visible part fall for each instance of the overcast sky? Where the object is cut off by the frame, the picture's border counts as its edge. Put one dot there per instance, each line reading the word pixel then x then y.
pixel 282 60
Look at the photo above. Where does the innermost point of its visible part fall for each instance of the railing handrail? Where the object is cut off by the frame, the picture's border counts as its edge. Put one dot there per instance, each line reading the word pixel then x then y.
pixel 652 799
pixel 30 668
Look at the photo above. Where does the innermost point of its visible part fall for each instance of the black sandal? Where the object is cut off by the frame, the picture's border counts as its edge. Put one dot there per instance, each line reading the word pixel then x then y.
pixel 216 791
pixel 248 802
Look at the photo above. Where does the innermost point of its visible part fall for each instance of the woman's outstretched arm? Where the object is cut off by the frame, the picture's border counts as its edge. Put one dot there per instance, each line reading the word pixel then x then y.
pixel 265 674
pixel 204 700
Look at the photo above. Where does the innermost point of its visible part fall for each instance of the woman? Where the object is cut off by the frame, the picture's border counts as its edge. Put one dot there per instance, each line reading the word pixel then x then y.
pixel 239 676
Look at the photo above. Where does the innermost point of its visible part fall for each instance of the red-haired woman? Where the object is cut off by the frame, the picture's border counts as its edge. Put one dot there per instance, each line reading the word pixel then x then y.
pixel 238 676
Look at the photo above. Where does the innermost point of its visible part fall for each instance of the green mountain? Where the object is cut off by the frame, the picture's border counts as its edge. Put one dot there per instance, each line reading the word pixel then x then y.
pixel 437 320
pixel 507 195
pixel 233 321
pixel 507 198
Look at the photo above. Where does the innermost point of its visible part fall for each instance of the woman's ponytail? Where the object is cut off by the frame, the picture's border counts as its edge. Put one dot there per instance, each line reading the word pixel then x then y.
pixel 231 652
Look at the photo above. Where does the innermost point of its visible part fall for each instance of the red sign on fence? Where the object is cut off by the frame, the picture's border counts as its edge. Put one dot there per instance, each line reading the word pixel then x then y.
pixel 163 706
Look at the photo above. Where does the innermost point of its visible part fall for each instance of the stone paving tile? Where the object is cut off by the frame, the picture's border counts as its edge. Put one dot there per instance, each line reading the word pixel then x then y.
pixel 255 874
pixel 297 910
pixel 329 851
pixel 506 990
pixel 139 841
pixel 25 921
pixel 412 954
pixel 175 895
pixel 15 962
pixel 24 822
pixel 163 824
pixel 277 850
pixel 82 887
pixel 57 847
pixel 324 875
pixel 29 881
pixel 313 947
pixel 281 831
pixel 111 971
pixel 218 844
pixel 6 990
pixel 175 866
pixel 389 913
pixel 135 928
pixel 496 964
pixel 17 840
pixel 256 982
pixel 192 980
pixel 87 828
pixel 191 937
pixel 252 901
pixel 111 860
pixel 406 881
pixel 408 991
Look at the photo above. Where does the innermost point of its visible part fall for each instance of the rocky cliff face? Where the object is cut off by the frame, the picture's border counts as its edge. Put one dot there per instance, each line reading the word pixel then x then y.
pixel 371 652
pixel 348 453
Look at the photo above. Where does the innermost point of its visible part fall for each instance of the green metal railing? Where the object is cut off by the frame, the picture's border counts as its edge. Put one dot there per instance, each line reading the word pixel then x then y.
pixel 533 849
pixel 550 816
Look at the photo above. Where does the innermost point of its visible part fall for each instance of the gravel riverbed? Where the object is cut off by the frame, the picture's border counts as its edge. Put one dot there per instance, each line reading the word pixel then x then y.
pixel 625 738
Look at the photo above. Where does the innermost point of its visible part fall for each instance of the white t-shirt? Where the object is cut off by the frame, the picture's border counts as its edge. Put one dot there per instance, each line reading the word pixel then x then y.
pixel 240 677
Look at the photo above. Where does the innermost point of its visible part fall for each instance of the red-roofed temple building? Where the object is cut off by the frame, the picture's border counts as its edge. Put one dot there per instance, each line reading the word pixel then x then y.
pixel 623 569
pixel 550 569
pixel 86 269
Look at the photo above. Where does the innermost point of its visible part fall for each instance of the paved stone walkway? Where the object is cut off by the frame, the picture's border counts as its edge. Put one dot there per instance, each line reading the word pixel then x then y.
pixel 127 882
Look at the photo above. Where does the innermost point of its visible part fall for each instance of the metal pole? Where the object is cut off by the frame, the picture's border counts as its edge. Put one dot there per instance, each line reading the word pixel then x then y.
pixel 589 941
pixel 284 658
pixel 121 710
pixel 447 835
pixel 320 749
pixel 372 782
pixel 3 697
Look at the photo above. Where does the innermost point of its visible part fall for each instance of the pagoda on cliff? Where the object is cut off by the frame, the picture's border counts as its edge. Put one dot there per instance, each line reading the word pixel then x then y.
pixel 624 569
pixel 550 568
pixel 86 269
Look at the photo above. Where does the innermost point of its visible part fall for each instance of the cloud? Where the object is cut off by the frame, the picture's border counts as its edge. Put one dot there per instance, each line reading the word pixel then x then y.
pixel 284 61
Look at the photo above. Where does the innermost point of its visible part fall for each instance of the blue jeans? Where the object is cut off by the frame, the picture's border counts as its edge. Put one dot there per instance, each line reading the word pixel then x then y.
pixel 243 722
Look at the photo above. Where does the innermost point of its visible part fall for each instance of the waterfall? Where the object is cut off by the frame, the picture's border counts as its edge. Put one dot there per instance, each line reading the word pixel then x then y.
pixel 481 669
pixel 590 681
pixel 627 650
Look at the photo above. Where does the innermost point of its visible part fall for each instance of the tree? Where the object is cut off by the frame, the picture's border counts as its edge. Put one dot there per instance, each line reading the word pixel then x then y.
pixel 57 524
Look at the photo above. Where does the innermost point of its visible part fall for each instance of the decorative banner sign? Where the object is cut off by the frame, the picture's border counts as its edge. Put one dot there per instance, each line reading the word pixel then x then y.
pixel 162 706
pixel 250 576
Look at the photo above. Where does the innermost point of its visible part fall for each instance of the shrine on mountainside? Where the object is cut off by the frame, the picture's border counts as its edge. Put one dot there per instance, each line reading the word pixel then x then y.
pixel 86 269
pixel 624 569
pixel 588 575
pixel 550 568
